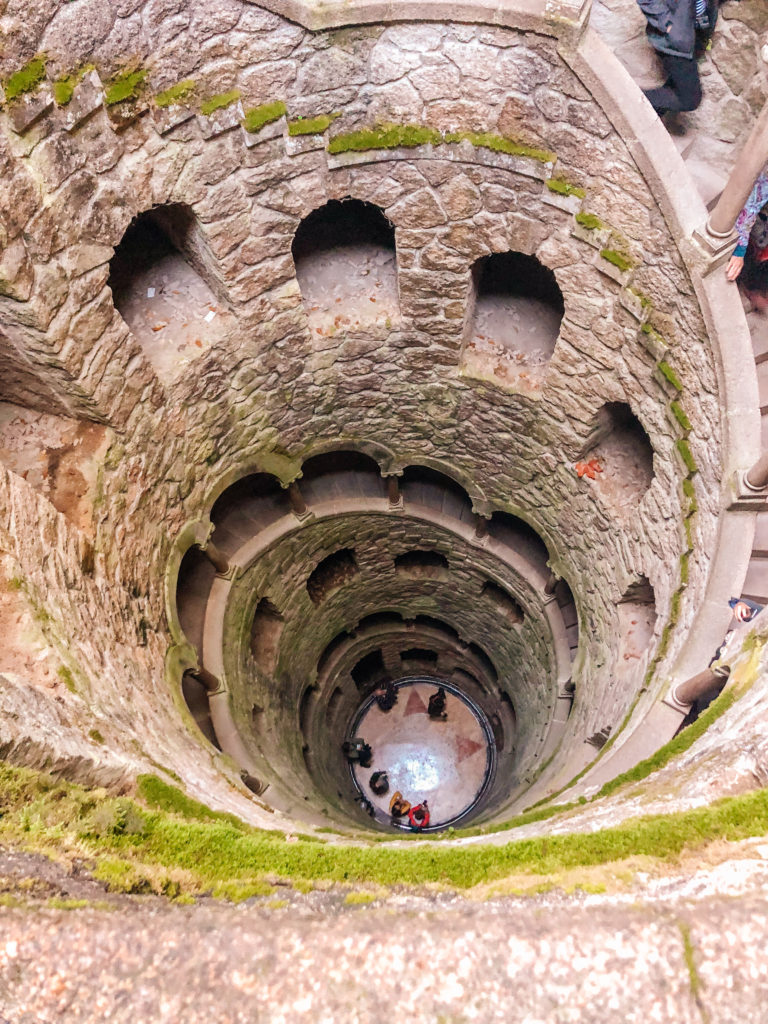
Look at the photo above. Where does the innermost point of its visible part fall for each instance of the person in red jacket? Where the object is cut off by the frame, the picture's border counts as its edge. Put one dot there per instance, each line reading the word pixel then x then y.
pixel 418 816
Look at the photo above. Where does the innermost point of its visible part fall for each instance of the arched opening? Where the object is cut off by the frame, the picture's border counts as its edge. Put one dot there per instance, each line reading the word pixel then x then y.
pixel 193 587
pixel 159 278
pixel 380 619
pixel 504 603
pixel 514 320
pixel 636 613
pixel 422 565
pixel 344 254
pixel 431 489
pixel 341 474
pixel 369 670
pixel 420 654
pixel 266 628
pixel 516 534
pixel 438 625
pixel 333 648
pixel 621 456
pixel 330 574
pixel 245 508
pixel 196 698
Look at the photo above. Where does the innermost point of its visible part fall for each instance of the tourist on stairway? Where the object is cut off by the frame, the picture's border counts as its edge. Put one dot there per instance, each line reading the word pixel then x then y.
pixel 379 783
pixel 386 695
pixel 418 816
pixel 674 29
pixel 436 707
pixel 357 751
pixel 398 806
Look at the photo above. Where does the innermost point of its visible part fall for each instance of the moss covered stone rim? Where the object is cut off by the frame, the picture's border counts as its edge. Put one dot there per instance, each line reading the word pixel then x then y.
pixel 563 188
pixel 176 93
pixel 138 848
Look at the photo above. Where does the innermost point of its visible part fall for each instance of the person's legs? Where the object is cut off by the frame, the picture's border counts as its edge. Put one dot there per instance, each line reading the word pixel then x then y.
pixel 682 89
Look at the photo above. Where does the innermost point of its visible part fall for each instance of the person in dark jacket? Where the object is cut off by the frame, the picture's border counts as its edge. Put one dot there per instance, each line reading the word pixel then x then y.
pixel 674 29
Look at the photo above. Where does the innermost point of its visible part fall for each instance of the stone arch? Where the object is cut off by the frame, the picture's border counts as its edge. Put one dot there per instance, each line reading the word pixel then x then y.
pixel 346 266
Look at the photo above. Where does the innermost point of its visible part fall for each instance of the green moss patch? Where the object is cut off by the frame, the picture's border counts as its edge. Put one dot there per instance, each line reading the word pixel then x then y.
pixel 125 86
pixel 311 125
pixel 666 371
pixel 392 136
pixel 26 79
pixel 563 188
pixel 589 221
pixel 64 89
pixel 686 455
pixel 396 136
pixel 679 413
pixel 257 117
pixel 219 102
pixel 176 94
pixel 618 259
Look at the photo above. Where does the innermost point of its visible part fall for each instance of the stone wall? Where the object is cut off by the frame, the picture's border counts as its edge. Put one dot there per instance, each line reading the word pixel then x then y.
pixel 78 172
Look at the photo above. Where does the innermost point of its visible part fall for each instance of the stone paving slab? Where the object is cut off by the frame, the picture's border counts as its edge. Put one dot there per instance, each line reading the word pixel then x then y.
pixel 484 963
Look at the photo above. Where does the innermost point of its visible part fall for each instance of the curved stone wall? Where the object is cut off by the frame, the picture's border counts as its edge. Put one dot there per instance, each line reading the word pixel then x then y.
pixel 495 139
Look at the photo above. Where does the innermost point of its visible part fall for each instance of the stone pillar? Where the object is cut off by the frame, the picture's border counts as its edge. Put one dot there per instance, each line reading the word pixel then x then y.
pixel 757 477
pixel 749 163
pixel 298 505
pixel 550 585
pixel 481 527
pixel 699 685
pixel 211 682
pixel 393 492
pixel 217 558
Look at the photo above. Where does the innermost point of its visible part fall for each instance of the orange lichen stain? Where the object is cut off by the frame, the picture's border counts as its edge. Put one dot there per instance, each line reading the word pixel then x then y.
pixel 589 469
pixel 198 343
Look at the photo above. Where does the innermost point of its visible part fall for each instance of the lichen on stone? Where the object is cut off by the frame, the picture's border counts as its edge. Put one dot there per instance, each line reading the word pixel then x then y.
pixel 26 79
pixel 257 117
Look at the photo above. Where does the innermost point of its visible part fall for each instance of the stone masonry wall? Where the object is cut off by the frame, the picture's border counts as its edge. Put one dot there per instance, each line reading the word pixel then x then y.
pixel 77 174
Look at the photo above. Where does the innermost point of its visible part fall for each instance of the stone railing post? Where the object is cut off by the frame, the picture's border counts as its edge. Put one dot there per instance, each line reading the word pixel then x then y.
pixel 749 163
pixel 756 478
pixel 699 685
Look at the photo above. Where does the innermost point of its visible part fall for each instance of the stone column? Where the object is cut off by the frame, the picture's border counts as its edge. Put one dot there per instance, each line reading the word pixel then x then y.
pixel 481 527
pixel 217 558
pixel 757 477
pixel 393 492
pixel 749 163
pixel 298 505
pixel 699 685
pixel 550 585
pixel 211 682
